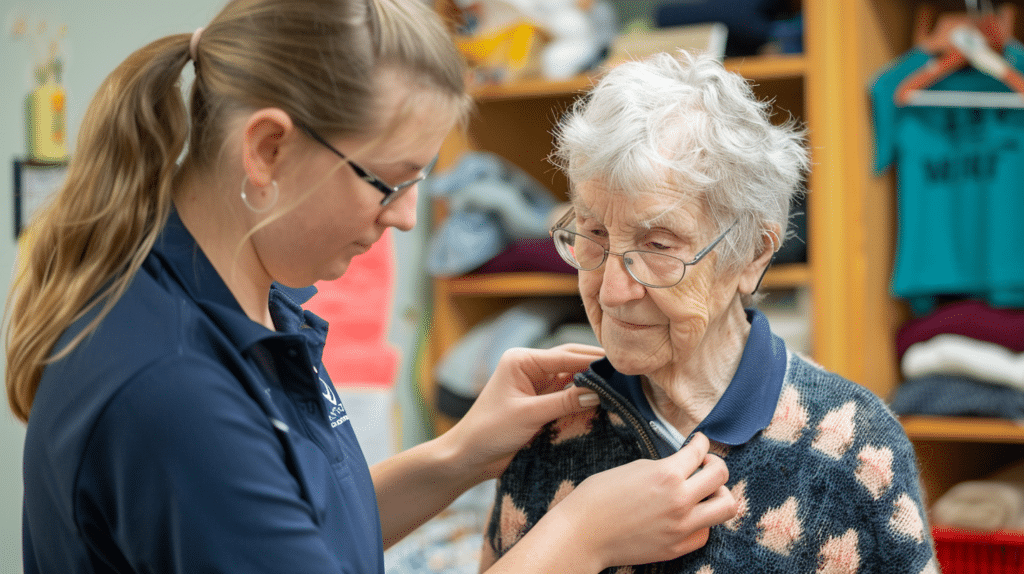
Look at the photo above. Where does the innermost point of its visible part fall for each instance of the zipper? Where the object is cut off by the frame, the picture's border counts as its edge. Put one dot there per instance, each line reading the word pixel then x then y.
pixel 627 413
pixel 636 422
pixel 621 407
pixel 664 434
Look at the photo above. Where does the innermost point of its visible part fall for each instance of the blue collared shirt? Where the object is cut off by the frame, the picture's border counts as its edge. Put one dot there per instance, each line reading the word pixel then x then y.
pixel 744 409
pixel 183 437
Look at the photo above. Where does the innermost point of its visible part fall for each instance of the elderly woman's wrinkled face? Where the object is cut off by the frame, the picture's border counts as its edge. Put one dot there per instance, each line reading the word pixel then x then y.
pixel 644 329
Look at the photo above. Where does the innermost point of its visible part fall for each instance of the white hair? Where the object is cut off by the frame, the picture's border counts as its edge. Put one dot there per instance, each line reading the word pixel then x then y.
pixel 685 120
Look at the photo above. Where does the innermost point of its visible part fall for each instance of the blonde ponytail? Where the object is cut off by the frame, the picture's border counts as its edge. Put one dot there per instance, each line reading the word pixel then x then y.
pixel 89 242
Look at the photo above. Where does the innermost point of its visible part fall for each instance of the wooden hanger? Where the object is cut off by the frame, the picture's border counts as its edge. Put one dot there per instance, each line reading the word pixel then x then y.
pixel 957 40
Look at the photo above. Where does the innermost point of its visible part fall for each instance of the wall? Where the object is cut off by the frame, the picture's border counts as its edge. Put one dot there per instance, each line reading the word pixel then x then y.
pixel 100 34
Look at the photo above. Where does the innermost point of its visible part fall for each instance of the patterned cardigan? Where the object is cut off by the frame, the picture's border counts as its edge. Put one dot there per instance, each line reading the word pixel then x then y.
pixel 830 486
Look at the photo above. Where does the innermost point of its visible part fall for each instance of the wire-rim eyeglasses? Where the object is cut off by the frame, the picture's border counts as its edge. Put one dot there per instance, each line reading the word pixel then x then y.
pixel 649 268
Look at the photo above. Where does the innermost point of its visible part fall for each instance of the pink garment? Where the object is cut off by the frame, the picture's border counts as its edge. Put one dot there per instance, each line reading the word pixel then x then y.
pixel 358 307
pixel 970 318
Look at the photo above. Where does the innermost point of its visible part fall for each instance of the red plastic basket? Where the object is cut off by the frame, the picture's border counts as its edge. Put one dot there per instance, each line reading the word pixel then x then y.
pixel 971 552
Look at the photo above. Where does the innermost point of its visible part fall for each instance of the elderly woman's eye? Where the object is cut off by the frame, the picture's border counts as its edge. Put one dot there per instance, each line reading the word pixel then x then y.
pixel 671 248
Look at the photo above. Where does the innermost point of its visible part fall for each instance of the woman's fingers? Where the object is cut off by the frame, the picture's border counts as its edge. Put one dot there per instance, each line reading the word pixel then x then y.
pixel 551 369
pixel 672 503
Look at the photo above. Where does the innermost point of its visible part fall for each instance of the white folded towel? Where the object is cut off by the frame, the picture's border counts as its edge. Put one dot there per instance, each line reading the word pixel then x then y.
pixel 949 354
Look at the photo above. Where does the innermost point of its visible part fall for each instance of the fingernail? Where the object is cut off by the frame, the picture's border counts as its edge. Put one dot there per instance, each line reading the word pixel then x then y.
pixel 589 400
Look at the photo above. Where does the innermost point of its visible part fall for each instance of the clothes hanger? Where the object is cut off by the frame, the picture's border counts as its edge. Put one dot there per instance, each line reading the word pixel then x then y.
pixel 975 38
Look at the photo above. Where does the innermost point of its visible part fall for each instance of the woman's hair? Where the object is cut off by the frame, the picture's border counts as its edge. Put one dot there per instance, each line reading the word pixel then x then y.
pixel 314 59
pixel 414 40
pixel 685 120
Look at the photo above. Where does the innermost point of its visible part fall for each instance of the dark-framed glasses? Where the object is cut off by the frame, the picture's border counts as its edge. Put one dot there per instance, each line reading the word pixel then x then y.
pixel 649 268
pixel 391 192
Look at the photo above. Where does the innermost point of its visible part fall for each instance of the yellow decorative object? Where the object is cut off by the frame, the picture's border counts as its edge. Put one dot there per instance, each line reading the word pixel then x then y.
pixel 47 136
pixel 509 52
pixel 46 104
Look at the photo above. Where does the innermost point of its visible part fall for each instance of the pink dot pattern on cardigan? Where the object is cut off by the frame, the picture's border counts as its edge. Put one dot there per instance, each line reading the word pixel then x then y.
pixel 780 527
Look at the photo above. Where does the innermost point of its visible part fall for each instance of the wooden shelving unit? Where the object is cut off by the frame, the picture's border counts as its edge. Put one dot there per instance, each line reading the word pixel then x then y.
pixel 963 429
pixel 850 210
pixel 513 285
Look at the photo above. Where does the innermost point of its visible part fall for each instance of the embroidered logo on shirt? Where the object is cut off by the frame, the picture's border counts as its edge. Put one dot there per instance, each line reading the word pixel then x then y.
pixel 336 411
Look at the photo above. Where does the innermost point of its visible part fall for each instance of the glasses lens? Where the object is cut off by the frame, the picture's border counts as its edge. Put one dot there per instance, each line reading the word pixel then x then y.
pixel 580 252
pixel 655 269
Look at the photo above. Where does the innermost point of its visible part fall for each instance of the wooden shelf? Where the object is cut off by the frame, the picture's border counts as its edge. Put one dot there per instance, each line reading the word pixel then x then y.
pixel 753 68
pixel 963 429
pixel 787 276
pixel 775 67
pixel 533 88
pixel 512 284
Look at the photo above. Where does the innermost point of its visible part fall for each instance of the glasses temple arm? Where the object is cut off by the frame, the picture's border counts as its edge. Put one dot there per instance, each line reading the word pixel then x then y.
pixel 564 220
pixel 710 248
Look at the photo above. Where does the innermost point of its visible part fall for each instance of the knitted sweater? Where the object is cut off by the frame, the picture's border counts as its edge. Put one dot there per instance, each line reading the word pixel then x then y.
pixel 829 486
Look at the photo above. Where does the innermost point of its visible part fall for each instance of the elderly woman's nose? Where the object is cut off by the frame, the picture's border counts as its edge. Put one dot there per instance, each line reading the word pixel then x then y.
pixel 617 285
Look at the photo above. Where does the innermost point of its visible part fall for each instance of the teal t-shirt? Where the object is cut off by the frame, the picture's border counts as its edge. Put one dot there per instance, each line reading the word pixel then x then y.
pixel 960 188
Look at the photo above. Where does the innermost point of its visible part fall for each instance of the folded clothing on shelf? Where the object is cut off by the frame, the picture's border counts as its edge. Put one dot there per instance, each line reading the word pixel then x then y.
pixel 967 317
pixel 949 354
pixel 492 203
pixel 749 21
pixel 466 240
pixel 956 396
pixel 981 505
pixel 991 504
pixel 527 255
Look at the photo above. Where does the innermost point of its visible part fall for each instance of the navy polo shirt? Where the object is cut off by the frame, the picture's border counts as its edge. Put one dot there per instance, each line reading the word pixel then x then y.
pixel 183 437
pixel 744 409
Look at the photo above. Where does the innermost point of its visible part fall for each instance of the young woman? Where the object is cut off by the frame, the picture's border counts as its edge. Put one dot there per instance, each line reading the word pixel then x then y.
pixel 179 418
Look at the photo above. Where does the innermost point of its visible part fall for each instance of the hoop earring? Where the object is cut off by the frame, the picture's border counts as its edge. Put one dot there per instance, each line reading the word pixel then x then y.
pixel 273 197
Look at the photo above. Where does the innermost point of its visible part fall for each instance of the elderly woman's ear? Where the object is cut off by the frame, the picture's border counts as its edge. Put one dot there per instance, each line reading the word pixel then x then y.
pixel 753 273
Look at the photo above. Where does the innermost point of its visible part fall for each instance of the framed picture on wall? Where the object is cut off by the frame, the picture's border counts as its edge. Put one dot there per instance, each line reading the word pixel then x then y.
pixel 34 183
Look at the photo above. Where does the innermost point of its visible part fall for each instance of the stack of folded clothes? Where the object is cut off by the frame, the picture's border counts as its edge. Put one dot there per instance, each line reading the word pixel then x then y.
pixel 966 358
pixel 498 220
pixel 991 504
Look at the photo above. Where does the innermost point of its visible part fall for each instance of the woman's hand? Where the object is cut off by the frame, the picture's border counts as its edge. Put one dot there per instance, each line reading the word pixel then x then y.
pixel 654 510
pixel 526 391
pixel 641 512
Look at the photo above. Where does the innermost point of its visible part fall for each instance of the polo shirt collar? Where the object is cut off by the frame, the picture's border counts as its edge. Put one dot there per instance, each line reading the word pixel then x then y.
pixel 182 257
pixel 748 403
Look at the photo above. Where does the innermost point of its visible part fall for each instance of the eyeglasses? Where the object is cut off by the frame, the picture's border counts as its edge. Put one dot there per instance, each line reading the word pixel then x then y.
pixel 648 268
pixel 391 193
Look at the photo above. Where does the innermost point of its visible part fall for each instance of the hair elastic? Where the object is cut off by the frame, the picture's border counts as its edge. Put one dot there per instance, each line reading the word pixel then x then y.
pixel 193 45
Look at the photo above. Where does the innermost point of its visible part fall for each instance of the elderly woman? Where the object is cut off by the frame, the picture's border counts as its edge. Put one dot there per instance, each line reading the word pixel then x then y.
pixel 681 189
